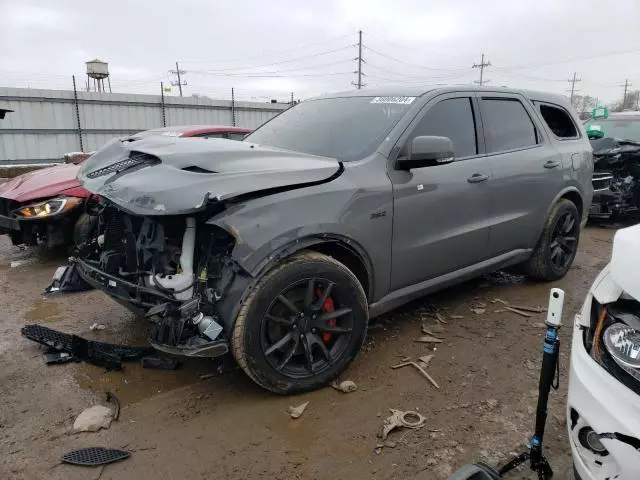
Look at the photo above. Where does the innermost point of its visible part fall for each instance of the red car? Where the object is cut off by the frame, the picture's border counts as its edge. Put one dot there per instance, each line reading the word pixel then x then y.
pixel 46 206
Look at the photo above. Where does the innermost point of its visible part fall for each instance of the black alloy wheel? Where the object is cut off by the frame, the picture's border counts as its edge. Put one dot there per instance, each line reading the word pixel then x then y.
pixel 564 241
pixel 302 332
pixel 301 325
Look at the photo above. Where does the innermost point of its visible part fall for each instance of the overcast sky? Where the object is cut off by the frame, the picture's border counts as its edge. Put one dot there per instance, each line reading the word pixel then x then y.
pixel 269 49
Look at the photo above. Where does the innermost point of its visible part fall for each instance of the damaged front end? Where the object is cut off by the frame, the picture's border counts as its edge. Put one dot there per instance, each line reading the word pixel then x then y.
pixel 167 268
pixel 153 250
pixel 616 178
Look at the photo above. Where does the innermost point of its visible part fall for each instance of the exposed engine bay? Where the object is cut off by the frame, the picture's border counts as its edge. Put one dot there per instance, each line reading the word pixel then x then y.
pixel 172 270
pixel 616 178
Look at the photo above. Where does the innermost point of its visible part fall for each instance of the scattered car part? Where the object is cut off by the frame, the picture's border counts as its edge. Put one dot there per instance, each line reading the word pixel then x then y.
pixel 67 279
pixel 519 312
pixel 296 412
pixel 57 358
pixel 420 368
pixel 98 353
pixel 94 456
pixel 428 339
pixel 477 471
pixel 160 363
pixel 346 386
pixel 111 398
pixel 400 419
pixel 97 326
pixel 93 419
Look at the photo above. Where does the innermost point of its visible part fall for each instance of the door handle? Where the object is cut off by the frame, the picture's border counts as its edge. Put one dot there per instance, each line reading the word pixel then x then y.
pixel 477 178
pixel 552 164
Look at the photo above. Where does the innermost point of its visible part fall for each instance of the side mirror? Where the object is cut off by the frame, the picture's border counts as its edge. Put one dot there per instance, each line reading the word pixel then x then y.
pixel 426 152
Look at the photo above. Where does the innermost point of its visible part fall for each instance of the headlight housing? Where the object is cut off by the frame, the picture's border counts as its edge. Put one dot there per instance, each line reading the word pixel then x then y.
pixel 623 344
pixel 47 208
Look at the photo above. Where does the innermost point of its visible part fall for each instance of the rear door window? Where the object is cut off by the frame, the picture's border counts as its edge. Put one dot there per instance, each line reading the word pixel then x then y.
pixel 451 118
pixel 507 125
pixel 558 120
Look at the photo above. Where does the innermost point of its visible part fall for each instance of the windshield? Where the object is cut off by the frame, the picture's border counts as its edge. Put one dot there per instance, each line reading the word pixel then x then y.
pixel 621 128
pixel 346 128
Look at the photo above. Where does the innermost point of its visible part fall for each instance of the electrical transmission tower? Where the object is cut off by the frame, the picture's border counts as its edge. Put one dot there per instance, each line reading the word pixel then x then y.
pixel 573 82
pixel 482 65
pixel 177 72
pixel 360 61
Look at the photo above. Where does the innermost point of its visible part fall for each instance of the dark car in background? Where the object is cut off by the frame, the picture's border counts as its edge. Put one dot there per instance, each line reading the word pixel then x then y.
pixel 281 248
pixel 616 155
pixel 46 206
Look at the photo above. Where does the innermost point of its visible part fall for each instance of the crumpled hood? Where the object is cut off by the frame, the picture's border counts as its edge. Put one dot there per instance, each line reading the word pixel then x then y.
pixel 174 176
pixel 40 184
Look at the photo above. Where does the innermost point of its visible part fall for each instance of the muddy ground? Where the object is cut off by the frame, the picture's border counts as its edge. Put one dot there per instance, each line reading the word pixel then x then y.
pixel 177 425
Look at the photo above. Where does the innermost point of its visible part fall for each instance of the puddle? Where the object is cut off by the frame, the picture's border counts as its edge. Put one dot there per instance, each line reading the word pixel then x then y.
pixel 43 311
pixel 135 383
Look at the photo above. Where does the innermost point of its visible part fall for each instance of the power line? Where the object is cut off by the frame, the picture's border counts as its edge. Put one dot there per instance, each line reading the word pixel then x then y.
pixel 295 69
pixel 279 52
pixel 416 77
pixel 257 75
pixel 482 65
pixel 319 54
pixel 417 49
pixel 578 59
pixel 376 52
pixel 179 83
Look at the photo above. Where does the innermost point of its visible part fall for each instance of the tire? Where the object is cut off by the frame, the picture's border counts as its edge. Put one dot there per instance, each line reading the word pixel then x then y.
pixel 545 262
pixel 333 342
pixel 82 229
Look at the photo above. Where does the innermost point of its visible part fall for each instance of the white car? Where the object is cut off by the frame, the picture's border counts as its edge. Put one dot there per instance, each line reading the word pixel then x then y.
pixel 603 408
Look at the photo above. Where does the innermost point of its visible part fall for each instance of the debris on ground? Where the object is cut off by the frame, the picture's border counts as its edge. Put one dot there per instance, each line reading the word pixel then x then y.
pixel 420 366
pixel 94 456
pixel 478 310
pixel 529 309
pixel 18 263
pixel 440 319
pixel 430 329
pixel 399 419
pixel 67 279
pixel 519 312
pixel 111 398
pixel 456 317
pixel 490 335
pixel 97 326
pixel 206 376
pixel 101 354
pixel 346 386
pixel 296 412
pixel 93 419
pixel 160 363
pixel 51 357
pixel 428 339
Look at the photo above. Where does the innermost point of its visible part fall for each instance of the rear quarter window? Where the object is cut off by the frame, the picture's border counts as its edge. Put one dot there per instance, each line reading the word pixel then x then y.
pixel 558 120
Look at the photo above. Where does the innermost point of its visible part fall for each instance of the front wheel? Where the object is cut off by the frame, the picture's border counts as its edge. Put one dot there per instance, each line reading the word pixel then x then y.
pixel 301 325
pixel 558 244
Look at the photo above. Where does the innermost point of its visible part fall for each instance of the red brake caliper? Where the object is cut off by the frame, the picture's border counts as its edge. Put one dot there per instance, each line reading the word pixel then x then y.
pixel 327 306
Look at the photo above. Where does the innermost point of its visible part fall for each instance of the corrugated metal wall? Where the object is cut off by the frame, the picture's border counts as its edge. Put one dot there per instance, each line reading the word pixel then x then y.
pixel 44 125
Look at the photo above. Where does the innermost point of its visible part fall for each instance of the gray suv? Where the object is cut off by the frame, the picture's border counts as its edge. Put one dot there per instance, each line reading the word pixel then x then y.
pixel 282 247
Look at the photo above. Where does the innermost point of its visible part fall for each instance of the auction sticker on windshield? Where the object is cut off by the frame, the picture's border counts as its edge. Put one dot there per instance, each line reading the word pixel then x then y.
pixel 397 100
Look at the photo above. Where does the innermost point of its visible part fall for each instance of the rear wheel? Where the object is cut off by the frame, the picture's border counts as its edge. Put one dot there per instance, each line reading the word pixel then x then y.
pixel 558 244
pixel 302 324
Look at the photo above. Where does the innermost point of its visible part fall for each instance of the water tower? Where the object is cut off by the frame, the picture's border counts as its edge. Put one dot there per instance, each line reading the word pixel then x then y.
pixel 98 71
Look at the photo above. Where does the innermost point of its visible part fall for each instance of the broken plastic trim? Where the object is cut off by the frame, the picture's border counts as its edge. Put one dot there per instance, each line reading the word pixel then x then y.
pixel 66 279
pixel 94 456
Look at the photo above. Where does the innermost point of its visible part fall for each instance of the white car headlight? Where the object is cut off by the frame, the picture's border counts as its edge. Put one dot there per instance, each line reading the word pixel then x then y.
pixel 48 208
pixel 623 343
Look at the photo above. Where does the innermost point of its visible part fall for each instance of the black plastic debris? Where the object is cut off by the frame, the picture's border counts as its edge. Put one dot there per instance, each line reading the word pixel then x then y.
pixel 97 353
pixel 67 279
pixel 111 398
pixel 94 456
pixel 160 363
pixel 52 357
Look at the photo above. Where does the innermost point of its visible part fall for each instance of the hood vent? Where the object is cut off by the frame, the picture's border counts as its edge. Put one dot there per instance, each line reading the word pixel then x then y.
pixel 136 159
pixel 196 169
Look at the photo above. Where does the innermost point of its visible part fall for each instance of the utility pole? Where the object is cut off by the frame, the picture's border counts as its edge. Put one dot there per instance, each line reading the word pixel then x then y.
pixel 573 85
pixel 359 83
pixel 481 66
pixel 292 100
pixel 179 83
pixel 624 97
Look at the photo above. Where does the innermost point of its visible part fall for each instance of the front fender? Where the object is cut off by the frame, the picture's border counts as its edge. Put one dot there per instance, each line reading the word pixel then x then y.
pixel 268 228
